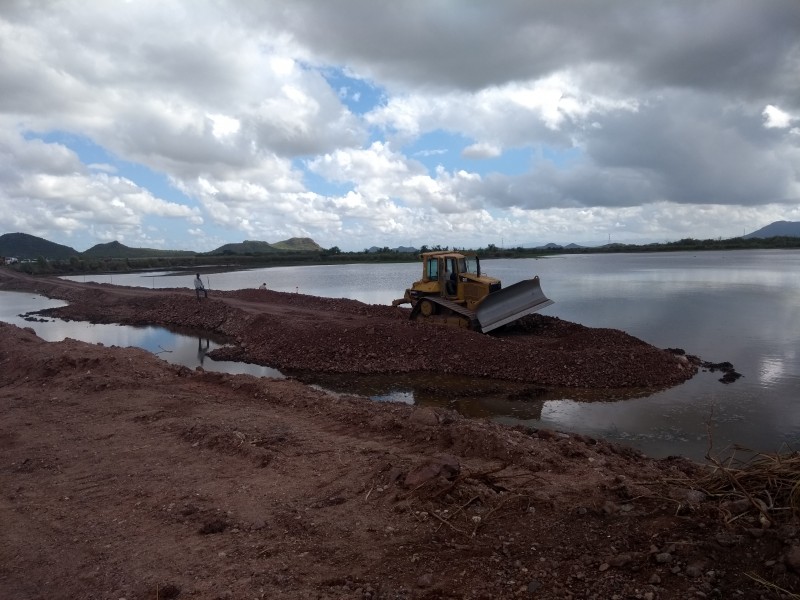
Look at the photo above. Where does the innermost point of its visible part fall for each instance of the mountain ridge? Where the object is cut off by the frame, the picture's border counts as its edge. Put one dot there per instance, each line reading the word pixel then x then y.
pixel 24 246
pixel 294 244
pixel 776 229
pixel 117 249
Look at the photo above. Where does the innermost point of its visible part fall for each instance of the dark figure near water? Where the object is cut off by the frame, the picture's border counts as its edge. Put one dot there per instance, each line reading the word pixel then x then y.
pixel 199 288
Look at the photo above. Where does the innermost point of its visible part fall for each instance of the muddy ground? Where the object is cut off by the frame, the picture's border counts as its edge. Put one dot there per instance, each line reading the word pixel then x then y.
pixel 122 476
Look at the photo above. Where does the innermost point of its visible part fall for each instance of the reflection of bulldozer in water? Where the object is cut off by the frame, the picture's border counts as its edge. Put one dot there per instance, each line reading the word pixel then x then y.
pixel 483 399
pixel 469 396
pixel 454 292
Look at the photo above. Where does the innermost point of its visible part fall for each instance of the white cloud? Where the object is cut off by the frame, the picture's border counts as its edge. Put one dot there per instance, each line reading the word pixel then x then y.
pixel 520 114
pixel 653 120
pixel 45 186
pixel 224 126
pixel 384 177
pixel 482 150
pixel 102 167
pixel 775 118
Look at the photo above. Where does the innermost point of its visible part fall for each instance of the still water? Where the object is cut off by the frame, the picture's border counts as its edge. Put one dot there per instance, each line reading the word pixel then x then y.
pixel 178 348
pixel 738 306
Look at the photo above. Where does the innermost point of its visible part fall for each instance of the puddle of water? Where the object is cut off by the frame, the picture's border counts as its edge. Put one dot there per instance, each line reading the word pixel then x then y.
pixel 189 349
pixel 479 398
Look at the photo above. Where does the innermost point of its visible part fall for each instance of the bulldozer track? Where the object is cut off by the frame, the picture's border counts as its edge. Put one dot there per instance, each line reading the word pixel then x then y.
pixel 453 307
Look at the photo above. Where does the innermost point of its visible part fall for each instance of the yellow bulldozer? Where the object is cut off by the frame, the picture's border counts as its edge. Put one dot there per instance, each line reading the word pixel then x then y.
pixel 454 292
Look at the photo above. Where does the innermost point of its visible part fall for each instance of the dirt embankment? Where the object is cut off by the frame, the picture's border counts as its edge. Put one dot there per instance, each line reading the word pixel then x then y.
pixel 295 332
pixel 125 477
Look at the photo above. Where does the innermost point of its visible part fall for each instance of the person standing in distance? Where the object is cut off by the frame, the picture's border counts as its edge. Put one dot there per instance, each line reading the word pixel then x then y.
pixel 199 287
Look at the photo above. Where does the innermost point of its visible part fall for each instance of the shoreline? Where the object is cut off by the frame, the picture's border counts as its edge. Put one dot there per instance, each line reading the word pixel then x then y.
pixel 296 332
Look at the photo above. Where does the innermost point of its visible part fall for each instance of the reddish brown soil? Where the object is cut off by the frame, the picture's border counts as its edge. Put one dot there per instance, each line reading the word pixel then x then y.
pixel 307 333
pixel 125 477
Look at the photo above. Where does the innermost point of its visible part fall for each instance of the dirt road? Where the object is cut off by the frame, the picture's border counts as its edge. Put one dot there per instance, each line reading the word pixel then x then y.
pixel 125 477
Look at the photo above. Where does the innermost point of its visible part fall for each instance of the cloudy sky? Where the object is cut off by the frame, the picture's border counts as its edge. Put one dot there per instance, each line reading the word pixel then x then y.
pixel 188 124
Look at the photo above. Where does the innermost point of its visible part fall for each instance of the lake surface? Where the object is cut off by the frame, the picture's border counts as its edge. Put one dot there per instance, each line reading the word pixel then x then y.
pixel 738 306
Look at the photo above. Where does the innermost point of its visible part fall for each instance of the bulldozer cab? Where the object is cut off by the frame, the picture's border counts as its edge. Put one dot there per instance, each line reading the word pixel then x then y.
pixel 447 269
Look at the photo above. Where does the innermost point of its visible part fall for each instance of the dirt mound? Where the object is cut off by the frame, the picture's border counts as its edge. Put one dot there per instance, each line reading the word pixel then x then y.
pixel 295 332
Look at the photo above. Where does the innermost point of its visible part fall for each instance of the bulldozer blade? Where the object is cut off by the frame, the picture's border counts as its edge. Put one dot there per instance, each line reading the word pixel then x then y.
pixel 511 303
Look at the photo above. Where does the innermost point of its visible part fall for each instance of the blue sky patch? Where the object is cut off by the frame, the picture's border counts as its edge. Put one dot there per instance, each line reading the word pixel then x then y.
pixel 444 148
pixel 318 184
pixel 90 153
pixel 358 95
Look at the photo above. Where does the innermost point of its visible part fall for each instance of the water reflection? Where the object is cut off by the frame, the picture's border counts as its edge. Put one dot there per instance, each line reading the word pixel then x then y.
pixel 478 398
pixel 741 306
pixel 772 369
pixel 187 348
pixel 660 424
pixel 202 350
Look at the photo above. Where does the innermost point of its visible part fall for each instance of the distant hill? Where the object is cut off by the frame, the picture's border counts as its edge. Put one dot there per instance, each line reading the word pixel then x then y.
pixel 298 245
pixel 118 250
pixel 402 249
pixel 256 247
pixel 245 247
pixel 553 246
pixel 24 246
pixel 778 228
